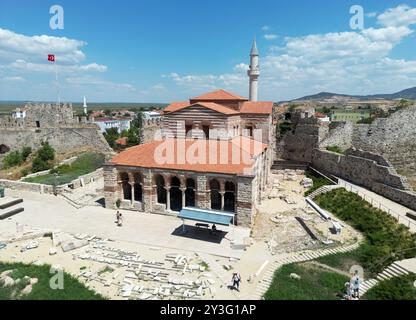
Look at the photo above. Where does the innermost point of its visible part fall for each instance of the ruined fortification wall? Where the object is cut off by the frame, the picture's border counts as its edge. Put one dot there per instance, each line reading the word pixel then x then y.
pixel 393 137
pixel 62 139
pixel 370 173
pixel 299 145
pixel 340 134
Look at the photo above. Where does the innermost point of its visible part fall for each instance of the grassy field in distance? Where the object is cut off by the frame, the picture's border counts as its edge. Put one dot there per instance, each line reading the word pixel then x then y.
pixel 6 107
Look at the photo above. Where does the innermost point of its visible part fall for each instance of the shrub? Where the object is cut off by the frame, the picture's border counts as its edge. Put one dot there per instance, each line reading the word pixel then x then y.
pixel 24 172
pixel 386 240
pixel 39 164
pixel 26 152
pixel 118 203
pixel 12 159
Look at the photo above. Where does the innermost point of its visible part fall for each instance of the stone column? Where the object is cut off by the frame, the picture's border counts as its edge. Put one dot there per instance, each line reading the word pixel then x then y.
pixel 148 191
pixel 167 188
pixel 222 193
pixel 183 197
pixel 132 193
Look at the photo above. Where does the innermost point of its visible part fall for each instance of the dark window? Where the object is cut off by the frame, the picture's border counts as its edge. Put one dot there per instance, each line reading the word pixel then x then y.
pixel 37 124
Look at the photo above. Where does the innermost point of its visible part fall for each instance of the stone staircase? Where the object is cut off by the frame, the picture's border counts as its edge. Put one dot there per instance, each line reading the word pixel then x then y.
pixel 9 207
pixel 303 256
pixel 322 190
pixel 394 270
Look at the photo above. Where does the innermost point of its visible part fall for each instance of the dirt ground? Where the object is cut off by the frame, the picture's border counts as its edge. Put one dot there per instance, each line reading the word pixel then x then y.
pixel 284 213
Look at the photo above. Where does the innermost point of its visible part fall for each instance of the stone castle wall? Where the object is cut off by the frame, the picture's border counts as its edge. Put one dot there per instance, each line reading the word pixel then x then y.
pixel 340 134
pixel 393 137
pixel 388 143
pixel 62 139
pixel 299 145
pixel 369 173
pixel 53 123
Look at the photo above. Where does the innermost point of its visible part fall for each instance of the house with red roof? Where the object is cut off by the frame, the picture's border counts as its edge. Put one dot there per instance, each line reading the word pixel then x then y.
pixel 213 152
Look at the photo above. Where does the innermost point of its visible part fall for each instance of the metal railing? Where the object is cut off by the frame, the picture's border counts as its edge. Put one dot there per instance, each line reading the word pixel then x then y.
pixel 399 217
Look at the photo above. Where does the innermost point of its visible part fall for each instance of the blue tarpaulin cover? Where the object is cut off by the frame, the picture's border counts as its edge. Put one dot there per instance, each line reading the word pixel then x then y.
pixel 206 215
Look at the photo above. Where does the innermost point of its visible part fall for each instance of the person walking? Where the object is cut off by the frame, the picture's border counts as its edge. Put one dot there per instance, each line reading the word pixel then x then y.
pixel 120 220
pixel 236 281
pixel 118 217
pixel 356 286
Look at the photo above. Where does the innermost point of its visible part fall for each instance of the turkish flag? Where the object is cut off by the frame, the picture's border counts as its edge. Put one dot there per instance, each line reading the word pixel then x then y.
pixel 51 57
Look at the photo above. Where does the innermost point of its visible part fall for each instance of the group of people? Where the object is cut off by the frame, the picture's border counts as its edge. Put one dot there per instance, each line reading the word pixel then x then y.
pixel 353 288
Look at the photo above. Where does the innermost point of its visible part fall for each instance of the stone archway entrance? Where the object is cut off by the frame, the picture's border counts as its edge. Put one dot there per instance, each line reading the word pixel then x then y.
pixel 125 185
pixel 175 194
pixel 214 186
pixel 160 189
pixel 190 193
pixel 229 197
pixel 4 149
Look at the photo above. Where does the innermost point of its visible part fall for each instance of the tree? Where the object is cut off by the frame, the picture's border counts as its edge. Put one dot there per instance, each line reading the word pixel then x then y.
pixel 46 152
pixel 111 135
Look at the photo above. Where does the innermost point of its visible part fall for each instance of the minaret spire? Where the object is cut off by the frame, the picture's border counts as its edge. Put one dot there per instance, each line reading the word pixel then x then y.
pixel 254 72
pixel 85 106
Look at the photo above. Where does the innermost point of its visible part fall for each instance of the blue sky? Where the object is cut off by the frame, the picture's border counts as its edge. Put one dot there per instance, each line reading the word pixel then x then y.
pixel 162 51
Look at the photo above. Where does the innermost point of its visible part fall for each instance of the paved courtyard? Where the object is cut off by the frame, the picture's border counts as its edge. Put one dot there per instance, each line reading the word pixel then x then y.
pixel 50 212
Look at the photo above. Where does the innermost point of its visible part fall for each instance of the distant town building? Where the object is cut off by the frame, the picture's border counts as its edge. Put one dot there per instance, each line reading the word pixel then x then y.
pixel 351 115
pixel 152 116
pixel 120 123
pixel 322 117
pixel 19 113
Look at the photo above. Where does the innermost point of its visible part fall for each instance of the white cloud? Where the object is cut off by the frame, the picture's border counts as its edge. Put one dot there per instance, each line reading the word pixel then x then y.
pixel 24 66
pixel 345 62
pixel 92 81
pixel 270 36
pixel 371 14
pixel 402 15
pixel 14 79
pixel 15 46
pixel 241 67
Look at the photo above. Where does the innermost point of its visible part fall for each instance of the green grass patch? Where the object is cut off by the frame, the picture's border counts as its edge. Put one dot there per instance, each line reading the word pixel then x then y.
pixel 73 289
pixel 318 182
pixel 386 240
pixel 315 284
pixel 400 288
pixel 84 164
pixel 335 149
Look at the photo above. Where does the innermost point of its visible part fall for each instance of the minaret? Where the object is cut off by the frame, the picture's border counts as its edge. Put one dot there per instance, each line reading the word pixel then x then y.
pixel 85 106
pixel 254 71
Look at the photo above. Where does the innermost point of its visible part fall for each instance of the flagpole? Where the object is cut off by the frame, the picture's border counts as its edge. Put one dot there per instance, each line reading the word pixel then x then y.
pixel 57 82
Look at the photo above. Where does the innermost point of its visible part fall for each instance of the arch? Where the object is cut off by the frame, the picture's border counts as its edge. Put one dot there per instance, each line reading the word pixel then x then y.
pixel 175 194
pixel 4 149
pixel 214 186
pixel 190 193
pixel 229 196
pixel 138 189
pixel 160 189
pixel 125 186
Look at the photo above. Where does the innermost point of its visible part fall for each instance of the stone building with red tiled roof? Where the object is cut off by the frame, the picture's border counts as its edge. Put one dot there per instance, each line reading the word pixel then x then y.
pixel 213 152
